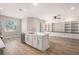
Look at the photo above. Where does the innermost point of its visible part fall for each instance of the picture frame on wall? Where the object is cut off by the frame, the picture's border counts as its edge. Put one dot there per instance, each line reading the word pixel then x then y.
pixel 10 25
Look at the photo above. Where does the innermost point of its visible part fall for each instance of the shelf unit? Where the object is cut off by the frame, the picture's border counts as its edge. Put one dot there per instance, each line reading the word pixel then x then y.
pixel 64 27
pixel 68 27
pixel 74 27
pixel 52 27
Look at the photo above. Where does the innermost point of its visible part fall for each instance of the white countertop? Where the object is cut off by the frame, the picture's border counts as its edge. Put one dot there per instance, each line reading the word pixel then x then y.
pixel 38 33
pixel 43 34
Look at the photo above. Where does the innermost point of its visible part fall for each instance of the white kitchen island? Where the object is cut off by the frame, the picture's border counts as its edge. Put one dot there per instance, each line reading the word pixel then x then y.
pixel 38 40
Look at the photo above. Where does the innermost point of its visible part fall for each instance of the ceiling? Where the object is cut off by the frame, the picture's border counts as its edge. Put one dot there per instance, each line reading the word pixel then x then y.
pixel 44 11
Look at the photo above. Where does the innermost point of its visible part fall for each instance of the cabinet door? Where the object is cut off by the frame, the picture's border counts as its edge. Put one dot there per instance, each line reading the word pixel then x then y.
pixel 30 37
pixel 39 42
pixel 35 42
pixel 26 39
pixel 46 42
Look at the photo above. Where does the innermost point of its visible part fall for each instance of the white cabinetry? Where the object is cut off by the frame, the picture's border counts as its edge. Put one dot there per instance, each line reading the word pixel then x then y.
pixel 37 41
pixel 40 42
pixel 28 39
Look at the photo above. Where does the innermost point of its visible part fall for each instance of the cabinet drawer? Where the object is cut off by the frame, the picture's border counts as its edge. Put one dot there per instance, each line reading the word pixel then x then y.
pixel 26 40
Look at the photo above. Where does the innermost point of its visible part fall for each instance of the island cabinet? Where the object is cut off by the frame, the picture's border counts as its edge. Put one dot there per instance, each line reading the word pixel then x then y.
pixel 38 41
pixel 35 42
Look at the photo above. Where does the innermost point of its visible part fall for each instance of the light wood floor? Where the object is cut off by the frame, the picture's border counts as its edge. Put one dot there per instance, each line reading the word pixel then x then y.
pixel 58 46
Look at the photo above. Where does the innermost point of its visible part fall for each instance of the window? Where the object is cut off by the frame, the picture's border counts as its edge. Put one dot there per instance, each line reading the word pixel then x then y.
pixel 10 25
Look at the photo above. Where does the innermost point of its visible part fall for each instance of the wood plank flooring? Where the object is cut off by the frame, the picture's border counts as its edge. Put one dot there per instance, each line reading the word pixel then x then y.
pixel 58 46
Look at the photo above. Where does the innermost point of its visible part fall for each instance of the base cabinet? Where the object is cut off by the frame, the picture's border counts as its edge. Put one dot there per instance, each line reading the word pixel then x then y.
pixel 26 40
pixel 37 41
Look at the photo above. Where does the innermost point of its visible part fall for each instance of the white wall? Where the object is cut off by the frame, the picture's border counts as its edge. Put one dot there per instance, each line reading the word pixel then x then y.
pixel 24 25
pixel 15 33
pixel 31 25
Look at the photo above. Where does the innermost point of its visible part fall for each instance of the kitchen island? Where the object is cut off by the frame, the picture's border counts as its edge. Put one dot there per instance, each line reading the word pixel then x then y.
pixel 39 41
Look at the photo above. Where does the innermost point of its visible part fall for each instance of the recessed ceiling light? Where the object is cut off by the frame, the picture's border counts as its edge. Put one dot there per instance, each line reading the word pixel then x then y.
pixel 24 10
pixel 72 8
pixel 1 8
pixel 35 4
